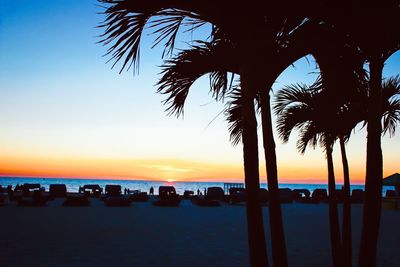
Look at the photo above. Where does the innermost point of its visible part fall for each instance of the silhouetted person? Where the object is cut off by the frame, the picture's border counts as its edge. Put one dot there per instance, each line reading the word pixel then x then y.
pixel 198 192
pixel 205 191
pixel 151 191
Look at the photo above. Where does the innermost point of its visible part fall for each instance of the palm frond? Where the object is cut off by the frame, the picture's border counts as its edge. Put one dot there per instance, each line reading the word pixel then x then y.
pixel 233 114
pixel 180 72
pixel 390 105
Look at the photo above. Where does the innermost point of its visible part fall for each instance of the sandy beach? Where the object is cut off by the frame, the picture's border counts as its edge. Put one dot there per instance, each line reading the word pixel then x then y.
pixel 188 235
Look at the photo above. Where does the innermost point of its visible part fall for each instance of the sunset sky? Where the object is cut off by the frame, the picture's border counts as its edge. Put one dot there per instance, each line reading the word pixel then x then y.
pixel 65 113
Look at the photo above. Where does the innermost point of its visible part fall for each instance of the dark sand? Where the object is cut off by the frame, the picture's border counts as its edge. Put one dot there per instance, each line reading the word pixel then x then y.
pixel 145 235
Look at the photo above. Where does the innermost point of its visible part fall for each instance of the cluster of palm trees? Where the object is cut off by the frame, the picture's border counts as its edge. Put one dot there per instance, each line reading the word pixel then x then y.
pixel 257 41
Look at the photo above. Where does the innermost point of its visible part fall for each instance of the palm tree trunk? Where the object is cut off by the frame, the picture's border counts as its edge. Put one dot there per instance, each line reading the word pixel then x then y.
pixel 346 226
pixel 279 256
pixel 373 179
pixel 336 246
pixel 255 226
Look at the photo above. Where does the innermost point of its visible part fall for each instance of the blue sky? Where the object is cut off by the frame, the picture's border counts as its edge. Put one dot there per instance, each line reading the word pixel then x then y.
pixel 61 101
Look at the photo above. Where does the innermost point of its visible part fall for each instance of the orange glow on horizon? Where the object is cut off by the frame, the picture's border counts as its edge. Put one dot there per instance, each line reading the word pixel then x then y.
pixel 169 170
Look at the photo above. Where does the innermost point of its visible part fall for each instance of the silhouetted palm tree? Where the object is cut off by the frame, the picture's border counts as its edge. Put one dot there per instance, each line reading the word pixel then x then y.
pixel 124 26
pixel 305 108
pixel 374 28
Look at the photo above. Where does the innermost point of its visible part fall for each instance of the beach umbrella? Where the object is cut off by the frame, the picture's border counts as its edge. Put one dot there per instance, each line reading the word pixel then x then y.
pixel 393 180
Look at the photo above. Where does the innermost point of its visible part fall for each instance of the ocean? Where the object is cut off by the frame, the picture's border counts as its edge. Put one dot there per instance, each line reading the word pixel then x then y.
pixel 144 186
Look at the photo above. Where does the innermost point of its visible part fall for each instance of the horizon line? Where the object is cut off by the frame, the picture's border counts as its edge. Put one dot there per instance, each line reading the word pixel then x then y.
pixel 161 180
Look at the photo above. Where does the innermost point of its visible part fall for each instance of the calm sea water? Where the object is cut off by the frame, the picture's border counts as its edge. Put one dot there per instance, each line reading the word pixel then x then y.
pixel 144 186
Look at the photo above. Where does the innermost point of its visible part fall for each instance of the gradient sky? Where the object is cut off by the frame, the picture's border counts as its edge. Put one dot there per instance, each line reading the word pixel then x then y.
pixel 65 113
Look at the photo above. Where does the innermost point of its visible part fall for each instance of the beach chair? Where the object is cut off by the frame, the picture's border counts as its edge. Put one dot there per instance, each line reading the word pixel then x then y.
pixel 188 194
pixel 91 190
pixel 138 196
pixel 301 195
pixel 35 200
pixel 113 190
pixel 319 195
pixel 215 193
pixel 3 195
pixel 57 190
pixel 167 197
pixel 357 196
pixel 237 195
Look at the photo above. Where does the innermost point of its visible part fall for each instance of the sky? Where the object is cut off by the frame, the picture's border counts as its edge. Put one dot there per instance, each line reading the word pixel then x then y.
pixel 64 112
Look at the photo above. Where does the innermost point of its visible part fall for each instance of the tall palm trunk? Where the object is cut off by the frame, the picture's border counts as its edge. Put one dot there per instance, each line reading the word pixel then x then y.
pixel 346 226
pixel 255 226
pixel 275 214
pixel 336 246
pixel 373 179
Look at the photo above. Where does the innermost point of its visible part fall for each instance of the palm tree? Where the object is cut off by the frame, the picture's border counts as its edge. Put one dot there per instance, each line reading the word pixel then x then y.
pixel 305 109
pixel 301 106
pixel 374 29
pixel 124 25
pixel 285 36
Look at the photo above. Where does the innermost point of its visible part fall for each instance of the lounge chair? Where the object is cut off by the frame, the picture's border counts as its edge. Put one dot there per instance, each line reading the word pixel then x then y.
pixel 319 195
pixel 57 190
pixel 215 193
pixel 37 199
pixel 113 190
pixel 139 196
pixel 3 195
pixel 301 195
pixel 188 194
pixel 237 195
pixel 76 201
pixel 91 190
pixel 167 197
pixel 211 199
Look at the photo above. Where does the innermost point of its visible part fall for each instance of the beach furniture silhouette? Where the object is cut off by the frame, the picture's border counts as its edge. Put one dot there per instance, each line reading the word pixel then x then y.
pixel 91 190
pixel 37 198
pixel 3 195
pixel 113 190
pixel 138 196
pixel 57 190
pixel 188 194
pixel 319 195
pixel 237 195
pixel 301 195
pixel 167 196
pixel 212 199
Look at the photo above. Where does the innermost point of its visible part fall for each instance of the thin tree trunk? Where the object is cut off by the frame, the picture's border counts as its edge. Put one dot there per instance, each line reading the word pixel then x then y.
pixel 279 256
pixel 346 226
pixel 255 226
pixel 373 179
pixel 336 245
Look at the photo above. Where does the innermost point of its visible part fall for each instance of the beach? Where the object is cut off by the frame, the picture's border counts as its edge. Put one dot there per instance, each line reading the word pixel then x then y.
pixel 188 235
